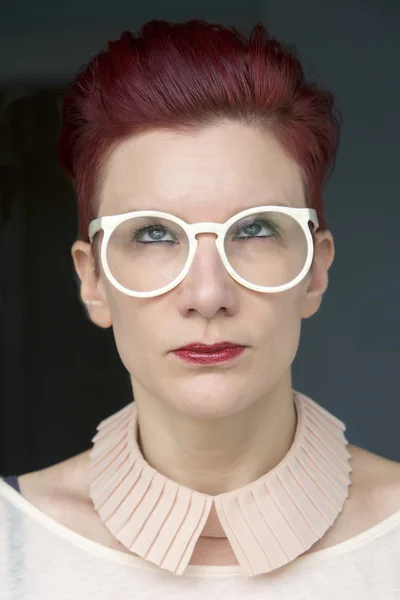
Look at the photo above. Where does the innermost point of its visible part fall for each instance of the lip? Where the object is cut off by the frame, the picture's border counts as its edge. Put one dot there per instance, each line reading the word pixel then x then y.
pixel 202 354
pixel 208 348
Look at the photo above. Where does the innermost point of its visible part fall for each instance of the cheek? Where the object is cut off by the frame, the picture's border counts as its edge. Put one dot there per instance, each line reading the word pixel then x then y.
pixel 281 328
pixel 131 330
pixel 142 334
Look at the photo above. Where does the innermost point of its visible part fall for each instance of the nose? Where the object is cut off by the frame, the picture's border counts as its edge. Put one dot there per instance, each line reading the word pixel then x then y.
pixel 208 288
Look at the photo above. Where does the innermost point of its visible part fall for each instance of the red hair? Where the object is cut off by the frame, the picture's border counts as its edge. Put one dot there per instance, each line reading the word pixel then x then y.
pixel 189 75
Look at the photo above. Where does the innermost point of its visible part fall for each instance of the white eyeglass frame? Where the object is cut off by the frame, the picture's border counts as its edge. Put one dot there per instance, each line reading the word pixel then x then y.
pixel 108 223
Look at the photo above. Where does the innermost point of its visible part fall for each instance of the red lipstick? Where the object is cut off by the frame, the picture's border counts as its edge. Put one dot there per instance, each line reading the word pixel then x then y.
pixel 205 354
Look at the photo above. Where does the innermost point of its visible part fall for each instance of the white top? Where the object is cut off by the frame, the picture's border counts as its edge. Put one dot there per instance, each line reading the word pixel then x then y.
pixel 41 559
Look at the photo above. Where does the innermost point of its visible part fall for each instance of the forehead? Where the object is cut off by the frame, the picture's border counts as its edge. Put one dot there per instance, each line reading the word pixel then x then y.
pixel 207 174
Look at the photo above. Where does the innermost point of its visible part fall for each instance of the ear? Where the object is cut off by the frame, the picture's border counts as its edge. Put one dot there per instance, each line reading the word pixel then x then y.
pixel 324 252
pixel 92 290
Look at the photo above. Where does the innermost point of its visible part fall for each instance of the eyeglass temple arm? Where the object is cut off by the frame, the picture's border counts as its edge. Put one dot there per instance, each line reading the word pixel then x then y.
pixel 314 220
pixel 94 227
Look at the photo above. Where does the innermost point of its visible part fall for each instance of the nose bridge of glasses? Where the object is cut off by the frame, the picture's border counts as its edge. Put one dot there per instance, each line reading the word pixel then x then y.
pixel 216 228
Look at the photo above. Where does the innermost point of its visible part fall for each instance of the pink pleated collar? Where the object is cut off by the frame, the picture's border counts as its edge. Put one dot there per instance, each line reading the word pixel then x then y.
pixel 268 522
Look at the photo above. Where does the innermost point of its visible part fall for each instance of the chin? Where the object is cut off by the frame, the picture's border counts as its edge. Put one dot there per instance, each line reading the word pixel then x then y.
pixel 209 400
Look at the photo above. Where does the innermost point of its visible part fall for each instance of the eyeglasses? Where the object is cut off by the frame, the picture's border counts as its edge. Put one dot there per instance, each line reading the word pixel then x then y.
pixel 147 253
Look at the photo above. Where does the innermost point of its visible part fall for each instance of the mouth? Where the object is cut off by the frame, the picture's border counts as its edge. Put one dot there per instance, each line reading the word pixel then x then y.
pixel 209 353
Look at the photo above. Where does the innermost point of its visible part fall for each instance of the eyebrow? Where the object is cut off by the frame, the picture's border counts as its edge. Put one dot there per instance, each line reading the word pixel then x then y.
pixel 241 207
pixel 267 203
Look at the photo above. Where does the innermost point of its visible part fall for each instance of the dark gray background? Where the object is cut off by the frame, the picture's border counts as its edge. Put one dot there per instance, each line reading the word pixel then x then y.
pixel 349 354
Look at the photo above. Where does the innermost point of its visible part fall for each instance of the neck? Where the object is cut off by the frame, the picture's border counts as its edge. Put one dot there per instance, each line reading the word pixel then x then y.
pixel 214 456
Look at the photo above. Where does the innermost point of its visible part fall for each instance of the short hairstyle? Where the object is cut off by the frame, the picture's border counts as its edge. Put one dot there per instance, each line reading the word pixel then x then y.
pixel 188 75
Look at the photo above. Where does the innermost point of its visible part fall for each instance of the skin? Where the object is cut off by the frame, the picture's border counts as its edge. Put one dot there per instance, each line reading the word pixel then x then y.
pixel 213 428
pixel 210 423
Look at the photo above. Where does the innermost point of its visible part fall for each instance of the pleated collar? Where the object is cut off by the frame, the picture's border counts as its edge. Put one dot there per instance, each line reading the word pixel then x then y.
pixel 268 523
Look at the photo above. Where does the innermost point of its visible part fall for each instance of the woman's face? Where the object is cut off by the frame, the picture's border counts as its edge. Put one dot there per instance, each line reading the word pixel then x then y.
pixel 203 176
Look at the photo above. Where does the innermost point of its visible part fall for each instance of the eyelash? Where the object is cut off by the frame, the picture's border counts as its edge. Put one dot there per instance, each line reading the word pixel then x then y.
pixel 274 228
pixel 141 230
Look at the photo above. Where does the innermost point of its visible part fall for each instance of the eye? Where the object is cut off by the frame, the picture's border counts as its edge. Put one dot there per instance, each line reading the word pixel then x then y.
pixel 152 234
pixel 261 227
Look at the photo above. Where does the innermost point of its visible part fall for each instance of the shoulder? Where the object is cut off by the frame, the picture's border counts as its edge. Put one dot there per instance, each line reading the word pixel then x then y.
pixel 376 480
pixel 58 489
pixel 62 493
pixel 374 495
pixel 374 492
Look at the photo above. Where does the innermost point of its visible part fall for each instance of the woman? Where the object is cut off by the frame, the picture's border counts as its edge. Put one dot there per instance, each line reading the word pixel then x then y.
pixel 198 159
